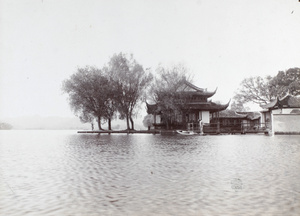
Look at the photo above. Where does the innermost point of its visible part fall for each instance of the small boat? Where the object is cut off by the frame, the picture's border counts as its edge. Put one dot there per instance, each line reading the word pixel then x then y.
pixel 182 132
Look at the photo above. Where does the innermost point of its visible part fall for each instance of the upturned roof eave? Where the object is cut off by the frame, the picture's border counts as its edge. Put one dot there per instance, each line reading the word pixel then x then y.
pixel 211 107
pixel 270 105
pixel 207 106
pixel 284 102
pixel 201 91
pixel 194 87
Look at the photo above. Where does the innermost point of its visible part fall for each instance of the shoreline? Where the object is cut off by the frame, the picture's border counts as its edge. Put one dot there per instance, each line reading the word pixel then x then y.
pixel 170 132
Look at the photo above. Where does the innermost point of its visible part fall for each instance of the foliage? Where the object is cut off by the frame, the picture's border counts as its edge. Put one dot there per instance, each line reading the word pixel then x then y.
pixel 130 82
pixel 86 117
pixel 262 91
pixel 95 93
pixel 286 82
pixel 89 94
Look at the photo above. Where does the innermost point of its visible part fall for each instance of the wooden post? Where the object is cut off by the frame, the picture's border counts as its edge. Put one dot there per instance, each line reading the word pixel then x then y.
pixel 218 123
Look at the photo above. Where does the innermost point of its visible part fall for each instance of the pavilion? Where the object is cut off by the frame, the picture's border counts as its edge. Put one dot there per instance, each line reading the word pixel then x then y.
pixel 196 107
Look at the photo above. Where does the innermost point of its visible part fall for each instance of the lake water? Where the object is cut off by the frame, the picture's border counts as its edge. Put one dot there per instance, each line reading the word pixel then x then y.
pixel 65 173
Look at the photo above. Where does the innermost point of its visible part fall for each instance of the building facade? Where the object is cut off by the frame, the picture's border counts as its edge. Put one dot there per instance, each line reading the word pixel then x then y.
pixel 238 122
pixel 282 116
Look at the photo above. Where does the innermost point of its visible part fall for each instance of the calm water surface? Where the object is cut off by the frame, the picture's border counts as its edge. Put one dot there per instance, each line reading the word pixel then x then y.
pixel 64 173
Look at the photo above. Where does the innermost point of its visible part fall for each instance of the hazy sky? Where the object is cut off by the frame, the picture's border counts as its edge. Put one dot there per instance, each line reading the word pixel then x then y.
pixel 42 42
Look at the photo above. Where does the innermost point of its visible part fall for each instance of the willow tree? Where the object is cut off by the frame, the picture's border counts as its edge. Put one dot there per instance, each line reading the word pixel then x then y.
pixel 90 94
pixel 130 82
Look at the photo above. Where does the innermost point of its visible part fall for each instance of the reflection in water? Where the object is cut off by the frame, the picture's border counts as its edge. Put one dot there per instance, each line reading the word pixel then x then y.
pixel 64 173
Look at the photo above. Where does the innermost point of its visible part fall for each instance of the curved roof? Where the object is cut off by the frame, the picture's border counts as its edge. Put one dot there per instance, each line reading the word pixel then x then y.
pixel 230 114
pixel 192 89
pixel 188 89
pixel 288 101
pixel 207 106
pixel 204 93
pixel 250 115
pixel 204 106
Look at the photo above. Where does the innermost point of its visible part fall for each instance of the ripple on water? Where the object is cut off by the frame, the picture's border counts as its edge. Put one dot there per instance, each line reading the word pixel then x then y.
pixel 62 173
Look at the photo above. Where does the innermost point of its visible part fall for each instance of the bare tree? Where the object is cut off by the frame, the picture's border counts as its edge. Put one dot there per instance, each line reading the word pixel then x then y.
pixel 256 90
pixel 167 90
pixel 262 91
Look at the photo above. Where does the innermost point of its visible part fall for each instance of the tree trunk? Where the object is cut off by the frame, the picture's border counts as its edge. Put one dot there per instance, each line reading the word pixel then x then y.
pixel 149 127
pixel 109 124
pixel 127 121
pixel 166 117
pixel 132 123
pixel 92 124
pixel 99 123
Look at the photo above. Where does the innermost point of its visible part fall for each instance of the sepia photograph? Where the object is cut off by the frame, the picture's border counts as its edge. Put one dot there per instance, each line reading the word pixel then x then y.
pixel 149 108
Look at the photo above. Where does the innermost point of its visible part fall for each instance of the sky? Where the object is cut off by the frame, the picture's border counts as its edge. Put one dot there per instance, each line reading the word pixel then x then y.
pixel 43 42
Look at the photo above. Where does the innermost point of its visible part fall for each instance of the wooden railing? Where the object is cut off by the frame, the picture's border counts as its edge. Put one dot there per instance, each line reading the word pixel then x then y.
pixel 235 128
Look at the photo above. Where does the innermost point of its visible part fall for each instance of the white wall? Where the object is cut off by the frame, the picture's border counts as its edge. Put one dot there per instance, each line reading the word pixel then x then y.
pixel 157 120
pixel 205 116
pixel 286 123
